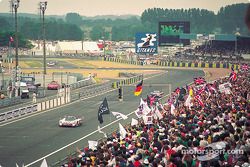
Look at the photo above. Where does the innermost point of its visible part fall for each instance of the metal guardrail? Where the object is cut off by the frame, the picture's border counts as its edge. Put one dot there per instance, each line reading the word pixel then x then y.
pixel 18 112
pixel 82 83
pixel 91 91
pixel 9 101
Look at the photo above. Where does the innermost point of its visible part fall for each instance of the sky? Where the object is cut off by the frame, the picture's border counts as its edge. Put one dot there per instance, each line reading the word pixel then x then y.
pixel 113 7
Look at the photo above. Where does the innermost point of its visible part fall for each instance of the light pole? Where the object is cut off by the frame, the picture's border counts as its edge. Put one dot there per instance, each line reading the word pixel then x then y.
pixel 15 5
pixel 43 6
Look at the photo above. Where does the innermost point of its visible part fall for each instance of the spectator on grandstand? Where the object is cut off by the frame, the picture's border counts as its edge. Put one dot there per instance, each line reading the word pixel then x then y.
pixel 224 122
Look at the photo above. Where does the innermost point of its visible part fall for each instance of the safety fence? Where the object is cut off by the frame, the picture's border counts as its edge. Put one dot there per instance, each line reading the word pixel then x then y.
pixel 179 64
pixel 40 106
pixel 82 83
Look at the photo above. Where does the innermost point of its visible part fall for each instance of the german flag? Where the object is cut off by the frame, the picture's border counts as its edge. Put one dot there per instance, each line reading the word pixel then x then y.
pixel 138 88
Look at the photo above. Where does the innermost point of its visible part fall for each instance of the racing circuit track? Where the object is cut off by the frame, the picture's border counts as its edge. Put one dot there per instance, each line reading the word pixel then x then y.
pixel 28 140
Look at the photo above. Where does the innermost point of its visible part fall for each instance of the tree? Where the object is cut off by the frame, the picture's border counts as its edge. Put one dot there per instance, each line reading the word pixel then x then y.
pixel 73 18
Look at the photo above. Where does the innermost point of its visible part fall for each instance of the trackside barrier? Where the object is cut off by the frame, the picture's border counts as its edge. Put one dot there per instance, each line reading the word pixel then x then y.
pixel 18 112
pixel 180 64
pixel 127 81
pixel 42 106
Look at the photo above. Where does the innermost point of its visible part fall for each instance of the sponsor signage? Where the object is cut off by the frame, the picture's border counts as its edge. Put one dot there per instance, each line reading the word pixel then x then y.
pixel 146 43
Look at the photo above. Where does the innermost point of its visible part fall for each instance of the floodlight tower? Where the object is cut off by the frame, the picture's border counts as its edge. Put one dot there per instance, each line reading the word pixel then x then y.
pixel 43 6
pixel 15 5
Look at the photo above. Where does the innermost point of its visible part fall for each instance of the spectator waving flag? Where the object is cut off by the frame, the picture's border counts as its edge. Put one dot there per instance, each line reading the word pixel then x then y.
pixel 142 109
pixel 138 89
pixel 122 131
pixel 103 109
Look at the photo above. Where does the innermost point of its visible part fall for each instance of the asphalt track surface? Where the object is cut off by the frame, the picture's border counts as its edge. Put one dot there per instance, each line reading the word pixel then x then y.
pixel 28 140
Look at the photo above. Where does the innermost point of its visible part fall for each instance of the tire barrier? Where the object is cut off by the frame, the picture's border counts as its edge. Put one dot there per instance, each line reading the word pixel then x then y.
pixel 180 64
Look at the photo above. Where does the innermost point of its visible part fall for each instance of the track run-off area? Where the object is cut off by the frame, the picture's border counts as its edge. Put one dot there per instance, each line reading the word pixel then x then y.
pixel 27 141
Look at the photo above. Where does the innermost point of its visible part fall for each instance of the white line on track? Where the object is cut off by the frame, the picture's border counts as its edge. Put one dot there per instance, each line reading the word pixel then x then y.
pixel 60 149
pixel 46 156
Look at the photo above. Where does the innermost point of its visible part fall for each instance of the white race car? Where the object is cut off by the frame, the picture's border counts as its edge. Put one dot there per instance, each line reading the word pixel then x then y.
pixel 70 121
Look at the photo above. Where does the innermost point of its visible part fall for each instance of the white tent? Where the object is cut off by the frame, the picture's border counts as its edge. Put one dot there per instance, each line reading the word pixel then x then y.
pixel 76 46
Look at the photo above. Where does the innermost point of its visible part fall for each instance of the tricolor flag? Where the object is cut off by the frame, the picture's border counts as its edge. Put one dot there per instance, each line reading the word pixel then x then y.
pixel 119 115
pixel 138 88
pixel 198 98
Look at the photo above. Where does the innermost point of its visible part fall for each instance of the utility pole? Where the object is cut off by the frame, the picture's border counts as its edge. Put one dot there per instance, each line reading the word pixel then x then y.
pixel 43 6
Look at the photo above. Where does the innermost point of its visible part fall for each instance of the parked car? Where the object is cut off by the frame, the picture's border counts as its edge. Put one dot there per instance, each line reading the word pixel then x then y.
pixel 30 81
pixel 53 85
pixel 70 121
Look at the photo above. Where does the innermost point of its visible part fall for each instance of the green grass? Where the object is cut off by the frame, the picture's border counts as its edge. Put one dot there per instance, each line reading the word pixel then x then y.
pixel 34 63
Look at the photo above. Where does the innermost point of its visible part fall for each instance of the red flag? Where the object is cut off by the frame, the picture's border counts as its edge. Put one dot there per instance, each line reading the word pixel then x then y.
pixel 11 39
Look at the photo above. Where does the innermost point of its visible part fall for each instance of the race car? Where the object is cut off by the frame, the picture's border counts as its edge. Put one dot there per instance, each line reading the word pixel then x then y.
pixel 51 64
pixel 157 94
pixel 70 121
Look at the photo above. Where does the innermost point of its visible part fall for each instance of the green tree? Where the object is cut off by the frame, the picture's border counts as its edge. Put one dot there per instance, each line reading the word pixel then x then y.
pixel 73 18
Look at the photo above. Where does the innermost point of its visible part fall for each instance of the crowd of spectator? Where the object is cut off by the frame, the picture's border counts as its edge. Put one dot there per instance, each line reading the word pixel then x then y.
pixel 223 123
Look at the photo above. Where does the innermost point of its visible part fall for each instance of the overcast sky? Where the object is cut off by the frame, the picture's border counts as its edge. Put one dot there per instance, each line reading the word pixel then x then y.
pixel 113 7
